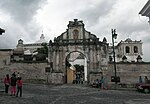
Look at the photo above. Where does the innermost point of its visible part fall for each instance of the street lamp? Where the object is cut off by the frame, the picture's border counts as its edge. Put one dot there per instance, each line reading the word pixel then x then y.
pixel 2 31
pixel 114 36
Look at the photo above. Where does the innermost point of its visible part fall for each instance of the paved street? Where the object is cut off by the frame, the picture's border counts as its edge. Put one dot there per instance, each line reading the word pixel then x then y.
pixel 71 94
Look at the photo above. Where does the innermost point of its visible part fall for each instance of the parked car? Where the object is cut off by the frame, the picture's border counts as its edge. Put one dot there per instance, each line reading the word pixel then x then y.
pixel 143 87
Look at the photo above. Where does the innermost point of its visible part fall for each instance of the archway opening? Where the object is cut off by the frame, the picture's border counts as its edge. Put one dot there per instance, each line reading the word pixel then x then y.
pixel 76 68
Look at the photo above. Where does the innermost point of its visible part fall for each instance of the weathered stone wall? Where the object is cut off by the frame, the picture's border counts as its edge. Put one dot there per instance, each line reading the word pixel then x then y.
pixel 129 72
pixel 4 58
pixel 55 78
pixel 28 71
pixel 32 73
pixel 35 72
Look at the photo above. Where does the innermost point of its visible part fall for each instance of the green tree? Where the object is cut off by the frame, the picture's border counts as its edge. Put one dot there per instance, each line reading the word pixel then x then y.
pixel 43 49
pixel 79 68
pixel 42 52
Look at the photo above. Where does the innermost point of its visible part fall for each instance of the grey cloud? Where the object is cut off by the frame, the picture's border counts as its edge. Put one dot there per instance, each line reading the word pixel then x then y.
pixel 146 39
pixel 21 24
pixel 21 11
pixel 131 28
pixel 92 15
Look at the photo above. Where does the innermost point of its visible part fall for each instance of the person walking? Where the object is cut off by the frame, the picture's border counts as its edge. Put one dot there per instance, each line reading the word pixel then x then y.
pixel 102 83
pixel 19 87
pixel 13 81
pixel 140 79
pixel 146 79
pixel 7 83
pixel 18 75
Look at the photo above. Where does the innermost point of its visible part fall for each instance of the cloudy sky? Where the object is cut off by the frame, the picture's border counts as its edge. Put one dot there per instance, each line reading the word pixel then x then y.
pixel 26 19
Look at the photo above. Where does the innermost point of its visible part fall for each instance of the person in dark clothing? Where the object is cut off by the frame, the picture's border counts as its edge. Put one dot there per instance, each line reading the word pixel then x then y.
pixel 7 83
pixel 140 79
pixel 14 74
pixel 146 79
pixel 13 84
pixel 102 82
pixel 19 87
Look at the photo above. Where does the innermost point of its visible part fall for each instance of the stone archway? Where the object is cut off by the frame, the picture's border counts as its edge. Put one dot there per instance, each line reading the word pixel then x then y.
pixel 77 39
pixel 71 71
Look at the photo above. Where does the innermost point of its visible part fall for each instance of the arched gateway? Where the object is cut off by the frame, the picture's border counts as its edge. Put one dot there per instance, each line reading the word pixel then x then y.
pixel 77 39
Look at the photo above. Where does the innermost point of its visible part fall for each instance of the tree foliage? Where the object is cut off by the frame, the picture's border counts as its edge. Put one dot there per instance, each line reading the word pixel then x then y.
pixel 43 49
pixel 79 68
pixel 42 52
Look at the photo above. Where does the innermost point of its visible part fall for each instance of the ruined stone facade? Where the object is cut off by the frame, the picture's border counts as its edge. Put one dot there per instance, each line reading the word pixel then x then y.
pixel 77 39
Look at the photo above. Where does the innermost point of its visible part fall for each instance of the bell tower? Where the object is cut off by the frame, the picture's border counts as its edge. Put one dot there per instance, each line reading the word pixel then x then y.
pixel 129 49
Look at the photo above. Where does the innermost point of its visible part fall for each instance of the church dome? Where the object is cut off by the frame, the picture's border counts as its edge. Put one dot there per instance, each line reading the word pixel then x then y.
pixel 42 39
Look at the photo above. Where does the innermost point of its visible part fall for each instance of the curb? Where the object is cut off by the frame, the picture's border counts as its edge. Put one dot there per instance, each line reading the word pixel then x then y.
pixel 138 101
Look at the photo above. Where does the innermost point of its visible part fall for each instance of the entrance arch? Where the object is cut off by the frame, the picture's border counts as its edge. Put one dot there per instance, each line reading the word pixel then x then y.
pixel 72 72
pixel 77 39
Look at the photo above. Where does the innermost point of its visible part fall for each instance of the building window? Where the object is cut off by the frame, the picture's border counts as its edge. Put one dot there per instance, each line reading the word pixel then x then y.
pixel 127 49
pixel 135 49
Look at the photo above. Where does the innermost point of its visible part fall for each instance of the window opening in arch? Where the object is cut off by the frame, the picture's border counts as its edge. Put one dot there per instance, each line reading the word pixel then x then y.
pixel 135 49
pixel 127 49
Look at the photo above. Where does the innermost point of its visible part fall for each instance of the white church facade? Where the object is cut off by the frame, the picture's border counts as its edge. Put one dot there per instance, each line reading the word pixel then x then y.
pixel 127 51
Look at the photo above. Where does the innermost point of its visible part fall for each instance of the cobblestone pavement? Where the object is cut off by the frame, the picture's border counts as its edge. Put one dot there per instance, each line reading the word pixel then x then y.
pixel 70 94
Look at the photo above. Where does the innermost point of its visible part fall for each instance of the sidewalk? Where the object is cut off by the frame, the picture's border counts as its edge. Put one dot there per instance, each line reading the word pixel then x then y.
pixel 127 89
pixel 138 101
pixel 2 87
pixel 113 86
